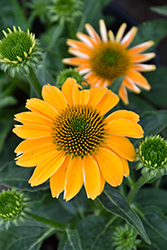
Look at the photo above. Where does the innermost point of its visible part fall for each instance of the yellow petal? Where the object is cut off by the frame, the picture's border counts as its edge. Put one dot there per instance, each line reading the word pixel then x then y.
pixel 74 180
pixel 125 127
pixel 95 95
pixel 123 114
pixel 92 178
pixel 120 32
pixel 41 107
pixel 121 146
pixel 32 143
pixel 34 156
pixel 107 102
pixel 30 117
pixel 54 97
pixel 110 166
pixel 32 130
pixel 67 90
pixel 47 168
pixel 80 97
pixel 57 180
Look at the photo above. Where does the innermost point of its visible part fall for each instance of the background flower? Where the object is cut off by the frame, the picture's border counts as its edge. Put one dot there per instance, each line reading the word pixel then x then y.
pixel 107 58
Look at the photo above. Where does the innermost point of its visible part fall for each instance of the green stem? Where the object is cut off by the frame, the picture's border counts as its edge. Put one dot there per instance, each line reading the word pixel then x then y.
pixel 135 188
pixel 51 223
pixel 33 80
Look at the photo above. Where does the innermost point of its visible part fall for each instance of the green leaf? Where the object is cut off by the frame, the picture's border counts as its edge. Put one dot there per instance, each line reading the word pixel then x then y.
pixel 160 10
pixel 5 128
pixel 113 201
pixel 153 196
pixel 151 30
pixel 116 84
pixel 8 100
pixel 156 226
pixel 33 242
pixel 16 176
pixel 95 234
pixel 158 82
pixel 6 239
pixel 11 14
pixel 70 241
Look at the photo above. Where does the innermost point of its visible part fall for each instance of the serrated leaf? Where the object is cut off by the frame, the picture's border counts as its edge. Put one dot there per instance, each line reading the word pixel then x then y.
pixel 160 10
pixel 70 241
pixel 156 226
pixel 114 202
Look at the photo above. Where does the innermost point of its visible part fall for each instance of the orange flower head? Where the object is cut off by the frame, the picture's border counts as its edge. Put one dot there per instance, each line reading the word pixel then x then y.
pixel 70 142
pixel 103 59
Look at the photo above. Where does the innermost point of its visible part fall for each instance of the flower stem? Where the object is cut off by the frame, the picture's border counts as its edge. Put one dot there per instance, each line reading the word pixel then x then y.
pixel 33 80
pixel 135 188
pixel 51 223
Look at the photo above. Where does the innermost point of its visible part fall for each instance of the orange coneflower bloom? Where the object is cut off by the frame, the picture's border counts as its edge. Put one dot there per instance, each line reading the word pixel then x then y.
pixel 71 143
pixel 107 58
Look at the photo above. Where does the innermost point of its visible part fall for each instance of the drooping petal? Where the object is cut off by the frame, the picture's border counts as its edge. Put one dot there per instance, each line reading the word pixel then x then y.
pixel 34 156
pixel 92 179
pixel 121 146
pixel 41 107
pixel 125 127
pixel 47 168
pixel 74 180
pixel 131 85
pixel 57 180
pixel 128 38
pixel 110 166
pixel 123 94
pixel 139 79
pixel 123 114
pixel 33 118
pixel 54 97
pixel 32 130
pixel 107 102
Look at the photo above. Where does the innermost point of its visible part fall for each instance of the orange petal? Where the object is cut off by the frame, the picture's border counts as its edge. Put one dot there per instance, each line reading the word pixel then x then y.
pixel 92 33
pixel 30 117
pixel 121 146
pixel 32 131
pixel 57 180
pixel 32 143
pixel 47 168
pixel 34 156
pixel 80 97
pixel 123 94
pixel 92 179
pixel 86 39
pixel 139 79
pixel 141 47
pixel 75 61
pixel 76 44
pixel 54 97
pixel 80 52
pixel 110 166
pixel 123 114
pixel 41 107
pixel 142 57
pixel 107 102
pixel 128 83
pixel 95 95
pixel 128 38
pixel 74 178
pixel 143 67
pixel 123 127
